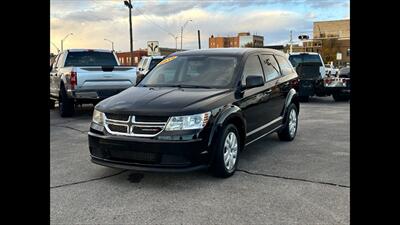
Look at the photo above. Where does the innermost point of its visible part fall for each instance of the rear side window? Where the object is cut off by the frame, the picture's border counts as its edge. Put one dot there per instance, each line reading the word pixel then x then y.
pixel 90 59
pixel 154 63
pixel 286 67
pixel 252 68
pixel 271 67
pixel 60 60
pixel 144 65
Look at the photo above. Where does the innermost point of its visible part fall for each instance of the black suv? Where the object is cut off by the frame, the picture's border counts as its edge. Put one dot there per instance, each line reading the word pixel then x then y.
pixel 197 109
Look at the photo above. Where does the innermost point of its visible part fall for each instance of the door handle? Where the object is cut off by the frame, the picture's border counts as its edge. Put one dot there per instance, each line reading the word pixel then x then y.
pixel 268 91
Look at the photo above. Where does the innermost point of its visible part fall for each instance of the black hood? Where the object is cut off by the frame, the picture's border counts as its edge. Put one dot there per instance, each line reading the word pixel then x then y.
pixel 165 101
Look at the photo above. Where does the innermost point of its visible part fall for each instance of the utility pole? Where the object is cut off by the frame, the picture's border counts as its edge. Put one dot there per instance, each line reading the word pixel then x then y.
pixel 58 50
pixel 182 30
pixel 198 38
pixel 291 40
pixel 128 4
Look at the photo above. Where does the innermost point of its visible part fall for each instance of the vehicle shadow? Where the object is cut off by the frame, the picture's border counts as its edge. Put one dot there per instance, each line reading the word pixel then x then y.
pixel 81 111
pixel 322 100
pixel 196 179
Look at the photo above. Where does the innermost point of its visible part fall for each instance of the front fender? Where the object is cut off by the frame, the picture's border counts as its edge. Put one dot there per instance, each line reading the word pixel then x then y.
pixel 224 114
pixel 289 97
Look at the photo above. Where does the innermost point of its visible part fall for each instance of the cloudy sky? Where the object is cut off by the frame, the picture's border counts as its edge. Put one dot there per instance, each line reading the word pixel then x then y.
pixel 91 21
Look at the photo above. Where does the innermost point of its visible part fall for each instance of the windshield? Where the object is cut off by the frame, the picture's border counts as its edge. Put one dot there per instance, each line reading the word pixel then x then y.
pixel 304 58
pixel 90 59
pixel 193 71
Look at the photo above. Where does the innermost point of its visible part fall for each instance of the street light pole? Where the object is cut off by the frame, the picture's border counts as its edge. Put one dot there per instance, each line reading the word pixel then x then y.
pixel 62 41
pixel 112 43
pixel 176 40
pixel 182 30
pixel 58 50
pixel 128 4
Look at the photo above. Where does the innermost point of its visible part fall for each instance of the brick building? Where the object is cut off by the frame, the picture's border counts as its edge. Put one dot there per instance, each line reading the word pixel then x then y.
pixel 242 40
pixel 126 60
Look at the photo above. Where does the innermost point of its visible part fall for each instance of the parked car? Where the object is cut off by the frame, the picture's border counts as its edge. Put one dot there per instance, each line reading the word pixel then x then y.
pixel 197 109
pixel 330 70
pixel 86 76
pixel 311 70
pixel 146 64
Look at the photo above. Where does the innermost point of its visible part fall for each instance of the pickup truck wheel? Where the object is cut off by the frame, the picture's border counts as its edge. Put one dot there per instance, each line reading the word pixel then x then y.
pixel 66 106
pixel 52 103
pixel 304 98
pixel 289 130
pixel 227 152
pixel 340 98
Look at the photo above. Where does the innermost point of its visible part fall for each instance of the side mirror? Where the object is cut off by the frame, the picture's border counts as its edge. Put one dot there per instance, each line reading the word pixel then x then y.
pixel 254 81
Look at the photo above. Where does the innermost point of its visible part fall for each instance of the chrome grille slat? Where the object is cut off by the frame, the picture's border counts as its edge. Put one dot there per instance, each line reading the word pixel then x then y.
pixel 131 124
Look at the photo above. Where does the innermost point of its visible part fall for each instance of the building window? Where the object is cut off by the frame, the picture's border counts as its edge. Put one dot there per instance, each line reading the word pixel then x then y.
pixel 136 59
pixel 348 52
pixel 122 60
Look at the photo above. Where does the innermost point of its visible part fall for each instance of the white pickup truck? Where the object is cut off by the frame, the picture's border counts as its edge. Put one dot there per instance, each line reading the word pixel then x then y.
pixel 87 76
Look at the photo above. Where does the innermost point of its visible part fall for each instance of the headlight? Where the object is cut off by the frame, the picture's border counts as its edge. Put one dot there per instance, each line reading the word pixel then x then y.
pixel 191 122
pixel 98 117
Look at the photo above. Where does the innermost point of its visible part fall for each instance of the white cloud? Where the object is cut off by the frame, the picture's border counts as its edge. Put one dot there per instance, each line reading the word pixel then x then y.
pixel 106 19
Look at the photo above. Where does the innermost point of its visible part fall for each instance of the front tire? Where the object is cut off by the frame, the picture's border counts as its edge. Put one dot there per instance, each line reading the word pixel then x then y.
pixel 227 151
pixel 288 132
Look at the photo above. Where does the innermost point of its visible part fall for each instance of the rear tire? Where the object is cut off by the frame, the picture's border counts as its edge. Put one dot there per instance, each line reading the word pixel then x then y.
pixel 227 150
pixel 304 98
pixel 340 98
pixel 52 103
pixel 66 105
pixel 289 130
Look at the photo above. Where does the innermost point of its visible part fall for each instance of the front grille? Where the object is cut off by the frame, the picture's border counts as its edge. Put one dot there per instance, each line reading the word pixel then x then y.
pixel 118 128
pixel 151 118
pixel 138 126
pixel 146 130
pixel 113 116
pixel 138 157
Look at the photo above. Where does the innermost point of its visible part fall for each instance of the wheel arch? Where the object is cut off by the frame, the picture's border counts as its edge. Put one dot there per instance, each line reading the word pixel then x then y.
pixel 292 97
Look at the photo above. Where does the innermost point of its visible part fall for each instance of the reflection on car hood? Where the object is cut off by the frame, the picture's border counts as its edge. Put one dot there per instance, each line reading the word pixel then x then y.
pixel 165 100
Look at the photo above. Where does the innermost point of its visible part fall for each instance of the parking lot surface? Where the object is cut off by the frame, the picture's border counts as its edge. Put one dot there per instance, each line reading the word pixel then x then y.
pixel 306 181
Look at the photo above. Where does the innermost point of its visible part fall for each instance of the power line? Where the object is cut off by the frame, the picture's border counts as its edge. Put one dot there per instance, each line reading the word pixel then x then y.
pixel 151 21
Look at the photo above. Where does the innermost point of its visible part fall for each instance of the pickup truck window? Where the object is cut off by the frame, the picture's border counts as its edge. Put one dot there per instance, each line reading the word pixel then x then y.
pixel 90 59
pixel 252 67
pixel 193 71
pixel 304 58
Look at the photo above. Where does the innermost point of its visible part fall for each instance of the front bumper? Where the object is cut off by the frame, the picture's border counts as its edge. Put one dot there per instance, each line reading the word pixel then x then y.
pixel 146 154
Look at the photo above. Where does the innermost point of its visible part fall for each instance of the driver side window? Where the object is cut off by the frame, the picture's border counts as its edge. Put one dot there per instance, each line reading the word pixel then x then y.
pixel 252 67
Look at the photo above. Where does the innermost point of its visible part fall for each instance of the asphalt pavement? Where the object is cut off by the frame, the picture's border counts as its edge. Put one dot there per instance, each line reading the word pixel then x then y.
pixel 306 181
